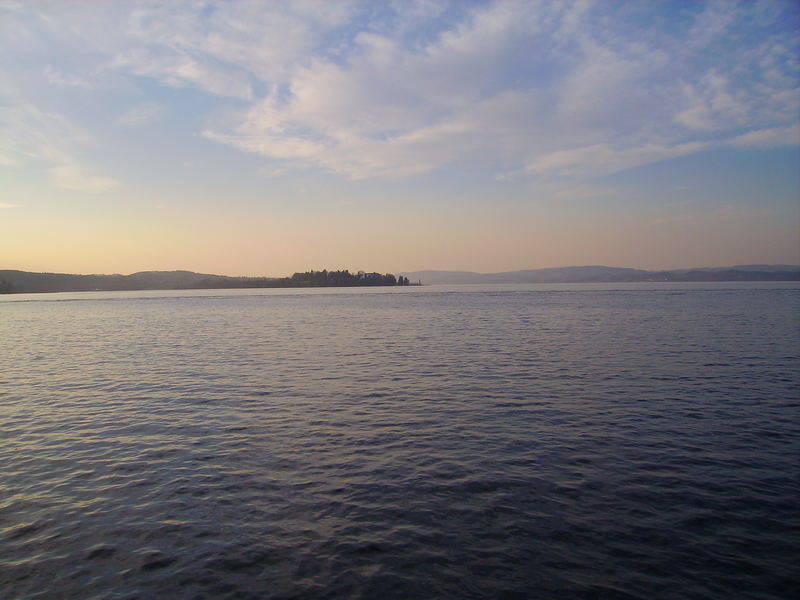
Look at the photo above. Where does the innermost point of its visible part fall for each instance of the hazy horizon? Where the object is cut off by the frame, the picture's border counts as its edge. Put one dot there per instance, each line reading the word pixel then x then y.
pixel 268 138
pixel 399 271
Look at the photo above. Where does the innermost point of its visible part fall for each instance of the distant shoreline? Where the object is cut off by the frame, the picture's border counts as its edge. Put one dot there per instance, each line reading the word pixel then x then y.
pixel 411 285
pixel 603 274
pixel 205 289
pixel 26 282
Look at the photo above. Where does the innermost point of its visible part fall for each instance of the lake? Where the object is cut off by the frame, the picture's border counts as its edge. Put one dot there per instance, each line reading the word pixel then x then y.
pixel 532 441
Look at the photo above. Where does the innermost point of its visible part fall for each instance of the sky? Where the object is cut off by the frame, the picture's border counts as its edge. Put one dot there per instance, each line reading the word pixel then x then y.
pixel 264 138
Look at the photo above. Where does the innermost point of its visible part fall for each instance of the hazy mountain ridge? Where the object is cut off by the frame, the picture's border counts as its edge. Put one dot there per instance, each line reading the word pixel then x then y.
pixel 12 281
pixel 749 268
pixel 603 274
pixel 26 281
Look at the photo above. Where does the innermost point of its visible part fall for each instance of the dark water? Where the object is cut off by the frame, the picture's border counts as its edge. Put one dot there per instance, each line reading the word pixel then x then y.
pixel 530 442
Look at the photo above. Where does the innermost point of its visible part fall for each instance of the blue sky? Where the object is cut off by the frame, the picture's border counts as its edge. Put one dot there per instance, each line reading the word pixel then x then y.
pixel 269 137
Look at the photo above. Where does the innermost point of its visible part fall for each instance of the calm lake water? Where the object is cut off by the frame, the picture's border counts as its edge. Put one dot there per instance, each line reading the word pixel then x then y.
pixel 574 441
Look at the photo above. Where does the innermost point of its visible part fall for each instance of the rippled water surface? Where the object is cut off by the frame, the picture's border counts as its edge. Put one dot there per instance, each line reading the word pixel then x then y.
pixel 625 441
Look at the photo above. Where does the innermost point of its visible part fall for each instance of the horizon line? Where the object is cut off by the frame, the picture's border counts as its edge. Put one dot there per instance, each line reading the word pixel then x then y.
pixel 403 272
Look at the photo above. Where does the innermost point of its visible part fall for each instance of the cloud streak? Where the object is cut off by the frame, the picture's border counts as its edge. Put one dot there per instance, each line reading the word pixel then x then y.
pixel 601 159
pixel 34 137
pixel 142 114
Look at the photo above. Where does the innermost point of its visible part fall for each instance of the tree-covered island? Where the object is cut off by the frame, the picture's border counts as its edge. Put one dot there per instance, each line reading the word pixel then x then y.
pixel 311 278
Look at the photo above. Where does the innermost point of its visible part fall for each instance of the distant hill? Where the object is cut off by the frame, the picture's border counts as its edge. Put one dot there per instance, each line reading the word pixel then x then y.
pixel 25 281
pixel 602 274
pixel 172 278
pixel 747 268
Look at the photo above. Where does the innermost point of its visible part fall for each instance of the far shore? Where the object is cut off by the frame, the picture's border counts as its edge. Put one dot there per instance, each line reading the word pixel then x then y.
pixel 21 282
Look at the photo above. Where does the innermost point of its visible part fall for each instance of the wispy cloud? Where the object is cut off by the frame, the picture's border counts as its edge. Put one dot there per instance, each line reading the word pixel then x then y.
pixel 769 138
pixel 141 114
pixel 178 69
pixel 33 136
pixel 73 177
pixel 601 159
pixel 60 78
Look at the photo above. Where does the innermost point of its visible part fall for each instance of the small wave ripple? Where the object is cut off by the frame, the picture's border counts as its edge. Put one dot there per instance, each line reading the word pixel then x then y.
pixel 631 445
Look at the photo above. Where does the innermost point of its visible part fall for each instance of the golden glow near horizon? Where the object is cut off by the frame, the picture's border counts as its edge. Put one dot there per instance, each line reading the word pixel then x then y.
pixel 224 245
pixel 390 138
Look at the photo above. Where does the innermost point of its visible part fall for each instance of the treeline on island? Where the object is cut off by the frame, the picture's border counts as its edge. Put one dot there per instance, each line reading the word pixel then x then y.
pixel 25 282
pixel 312 278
